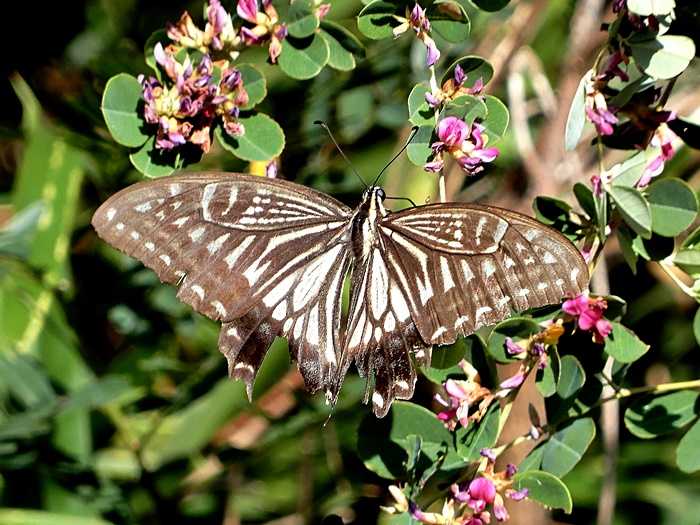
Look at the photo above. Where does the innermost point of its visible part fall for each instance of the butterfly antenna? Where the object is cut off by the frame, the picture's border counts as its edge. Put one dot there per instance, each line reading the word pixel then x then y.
pixel 414 130
pixel 330 134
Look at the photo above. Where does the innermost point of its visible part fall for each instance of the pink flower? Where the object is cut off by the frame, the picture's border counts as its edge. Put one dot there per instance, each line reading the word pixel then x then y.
pixel 512 348
pixel 466 144
pixel 513 381
pixel 602 119
pixel 248 10
pixel 452 132
pixel 589 314
pixel 663 138
pixel 482 492
pixel 417 20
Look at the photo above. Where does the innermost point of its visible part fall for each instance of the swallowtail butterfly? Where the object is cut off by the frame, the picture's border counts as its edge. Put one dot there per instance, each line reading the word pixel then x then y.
pixel 269 258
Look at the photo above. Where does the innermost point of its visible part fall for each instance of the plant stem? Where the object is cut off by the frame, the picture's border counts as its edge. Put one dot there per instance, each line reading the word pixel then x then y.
pixel 668 267
pixel 442 192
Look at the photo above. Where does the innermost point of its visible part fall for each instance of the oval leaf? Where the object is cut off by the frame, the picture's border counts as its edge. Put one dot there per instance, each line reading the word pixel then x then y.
pixel 302 20
pixel 673 206
pixel 449 20
pixel 651 417
pixel 515 328
pixel 418 151
pixel 634 209
pixel 571 377
pixel 544 488
pixel 254 84
pixel 651 7
pixel 153 162
pixel 338 57
pixel 263 139
pixel 497 117
pixel 376 20
pixel 567 446
pixel 419 112
pixel 688 451
pixel 624 345
pixel 665 56
pixel 304 58
pixel 577 116
pixel 121 109
pixel 475 68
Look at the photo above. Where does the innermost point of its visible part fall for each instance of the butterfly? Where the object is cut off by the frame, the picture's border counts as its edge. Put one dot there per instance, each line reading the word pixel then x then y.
pixel 269 257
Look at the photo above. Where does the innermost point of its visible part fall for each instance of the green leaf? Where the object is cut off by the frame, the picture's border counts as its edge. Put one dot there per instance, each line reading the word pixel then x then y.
pixel 384 445
pixel 496 122
pixel 474 67
pixel 629 172
pixel 301 19
pixel 339 58
pixel 51 172
pixel 419 112
pixel 101 392
pixel 547 378
pixel 567 446
pixel 544 488
pixel 654 249
pixel 625 240
pixel 549 210
pixel 651 7
pixel 254 84
pixel 688 260
pixel 38 517
pixel 263 139
pixel 571 377
pixel 634 209
pixel 665 56
pixel 355 112
pixel 344 36
pixel 688 451
pixel 673 206
pixel 533 460
pixel 651 417
pixel 479 435
pixel 26 381
pixel 696 325
pixel 467 108
pixel 449 20
pixel 153 162
pixel 122 111
pixel 376 20
pixel 305 57
pixel 515 328
pixel 577 115
pixel 585 199
pixel 445 360
pixel 418 150
pixel 624 345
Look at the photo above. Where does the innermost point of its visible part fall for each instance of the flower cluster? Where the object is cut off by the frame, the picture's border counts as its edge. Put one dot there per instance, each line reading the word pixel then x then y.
pixel 218 34
pixel 469 504
pixel 417 20
pixel 185 106
pixel 588 313
pixel 265 26
pixel 463 396
pixel 453 88
pixel 466 143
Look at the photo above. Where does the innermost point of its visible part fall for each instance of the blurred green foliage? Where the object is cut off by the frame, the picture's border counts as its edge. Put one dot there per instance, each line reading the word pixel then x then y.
pixel 114 401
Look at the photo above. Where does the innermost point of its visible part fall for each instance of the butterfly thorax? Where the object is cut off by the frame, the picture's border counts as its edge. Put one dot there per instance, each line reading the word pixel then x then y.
pixel 365 221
